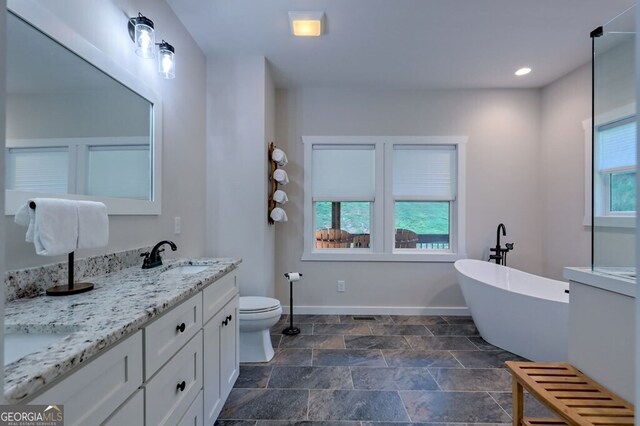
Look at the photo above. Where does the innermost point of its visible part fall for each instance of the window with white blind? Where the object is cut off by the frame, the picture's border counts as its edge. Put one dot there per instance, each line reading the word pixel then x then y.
pixel 615 168
pixel 424 187
pixel 43 170
pixel 119 171
pixel 384 198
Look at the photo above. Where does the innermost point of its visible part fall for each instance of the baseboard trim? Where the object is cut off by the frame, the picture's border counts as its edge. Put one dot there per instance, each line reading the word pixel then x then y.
pixel 376 310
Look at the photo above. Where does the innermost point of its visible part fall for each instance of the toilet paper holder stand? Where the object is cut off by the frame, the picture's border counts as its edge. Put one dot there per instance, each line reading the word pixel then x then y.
pixel 291 330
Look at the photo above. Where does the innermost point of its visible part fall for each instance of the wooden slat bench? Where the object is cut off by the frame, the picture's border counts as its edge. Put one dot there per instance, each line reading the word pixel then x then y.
pixel 574 397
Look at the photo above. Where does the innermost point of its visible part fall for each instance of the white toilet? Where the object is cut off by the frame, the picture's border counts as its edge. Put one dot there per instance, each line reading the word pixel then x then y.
pixel 257 315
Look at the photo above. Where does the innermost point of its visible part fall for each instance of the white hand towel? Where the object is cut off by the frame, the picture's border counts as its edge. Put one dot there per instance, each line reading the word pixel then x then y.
pixel 278 215
pixel 281 177
pixel 53 225
pixel 280 197
pixel 93 225
pixel 279 157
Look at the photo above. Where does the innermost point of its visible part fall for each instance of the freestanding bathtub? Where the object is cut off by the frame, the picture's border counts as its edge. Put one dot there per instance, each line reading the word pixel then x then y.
pixel 520 312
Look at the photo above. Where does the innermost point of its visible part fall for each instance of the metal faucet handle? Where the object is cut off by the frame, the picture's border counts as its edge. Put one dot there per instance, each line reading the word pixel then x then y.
pixel 145 254
pixel 509 246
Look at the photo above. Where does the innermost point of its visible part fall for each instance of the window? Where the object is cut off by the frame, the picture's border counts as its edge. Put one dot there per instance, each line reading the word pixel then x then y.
pixel 372 198
pixel 615 169
pixel 119 171
pixel 102 167
pixel 38 170
pixel 343 190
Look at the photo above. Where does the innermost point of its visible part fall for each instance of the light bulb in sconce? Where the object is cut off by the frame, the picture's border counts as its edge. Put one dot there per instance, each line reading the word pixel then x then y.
pixel 142 33
pixel 166 60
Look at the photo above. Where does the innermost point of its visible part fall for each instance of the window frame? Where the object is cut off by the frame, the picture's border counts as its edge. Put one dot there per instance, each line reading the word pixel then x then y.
pixel 598 183
pixel 382 247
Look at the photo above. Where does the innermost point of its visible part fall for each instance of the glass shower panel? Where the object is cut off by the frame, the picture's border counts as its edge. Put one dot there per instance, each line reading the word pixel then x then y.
pixel 614 147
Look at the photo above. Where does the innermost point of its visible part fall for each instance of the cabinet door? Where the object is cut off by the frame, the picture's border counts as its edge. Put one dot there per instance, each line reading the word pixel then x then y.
pixel 92 393
pixel 170 393
pixel 211 357
pixel 130 413
pixel 230 347
pixel 193 416
pixel 166 335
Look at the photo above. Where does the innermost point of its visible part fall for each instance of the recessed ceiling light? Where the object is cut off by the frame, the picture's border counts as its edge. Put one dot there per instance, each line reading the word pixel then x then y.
pixel 306 24
pixel 523 71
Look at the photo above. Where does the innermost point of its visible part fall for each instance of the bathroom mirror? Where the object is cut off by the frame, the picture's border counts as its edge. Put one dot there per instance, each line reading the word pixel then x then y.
pixel 77 125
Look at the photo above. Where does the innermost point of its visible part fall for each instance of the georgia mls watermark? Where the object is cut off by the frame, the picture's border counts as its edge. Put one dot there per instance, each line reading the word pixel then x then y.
pixel 31 415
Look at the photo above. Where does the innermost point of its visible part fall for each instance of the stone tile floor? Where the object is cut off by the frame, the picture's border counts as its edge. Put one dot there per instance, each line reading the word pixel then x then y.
pixel 390 369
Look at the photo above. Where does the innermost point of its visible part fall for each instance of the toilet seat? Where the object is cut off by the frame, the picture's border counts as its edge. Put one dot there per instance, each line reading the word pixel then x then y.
pixel 258 305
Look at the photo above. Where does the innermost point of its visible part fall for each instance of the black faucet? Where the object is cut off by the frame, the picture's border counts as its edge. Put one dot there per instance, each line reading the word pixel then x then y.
pixel 500 255
pixel 153 259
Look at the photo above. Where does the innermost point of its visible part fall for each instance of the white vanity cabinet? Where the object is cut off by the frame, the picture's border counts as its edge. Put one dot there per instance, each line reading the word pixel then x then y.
pixel 179 369
pixel 221 345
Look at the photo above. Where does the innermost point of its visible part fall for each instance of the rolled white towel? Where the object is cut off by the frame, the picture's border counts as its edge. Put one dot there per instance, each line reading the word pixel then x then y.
pixel 53 225
pixel 278 215
pixel 279 157
pixel 281 177
pixel 93 225
pixel 280 197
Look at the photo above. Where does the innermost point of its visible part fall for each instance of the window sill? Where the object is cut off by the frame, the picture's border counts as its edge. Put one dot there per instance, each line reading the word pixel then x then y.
pixel 366 256
pixel 612 221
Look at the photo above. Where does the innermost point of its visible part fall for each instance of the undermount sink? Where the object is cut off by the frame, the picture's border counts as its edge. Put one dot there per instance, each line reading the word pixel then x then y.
pixel 19 344
pixel 188 269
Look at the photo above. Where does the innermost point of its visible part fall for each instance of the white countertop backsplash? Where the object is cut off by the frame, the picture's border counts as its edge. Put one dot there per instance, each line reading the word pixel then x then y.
pixel 122 302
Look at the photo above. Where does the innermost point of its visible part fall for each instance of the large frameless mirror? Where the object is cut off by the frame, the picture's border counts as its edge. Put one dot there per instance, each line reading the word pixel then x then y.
pixel 77 125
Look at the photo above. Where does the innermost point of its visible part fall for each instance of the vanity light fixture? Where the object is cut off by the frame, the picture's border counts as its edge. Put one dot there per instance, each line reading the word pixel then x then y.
pixel 142 33
pixel 306 24
pixel 166 60
pixel 523 71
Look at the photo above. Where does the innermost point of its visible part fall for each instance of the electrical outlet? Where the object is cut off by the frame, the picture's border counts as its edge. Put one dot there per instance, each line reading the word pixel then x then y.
pixel 177 226
pixel 341 287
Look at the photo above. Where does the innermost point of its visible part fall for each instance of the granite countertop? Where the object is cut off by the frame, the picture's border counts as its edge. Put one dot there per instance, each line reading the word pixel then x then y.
pixel 120 304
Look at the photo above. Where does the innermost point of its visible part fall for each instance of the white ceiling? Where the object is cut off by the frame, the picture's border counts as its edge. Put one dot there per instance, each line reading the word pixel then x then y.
pixel 405 43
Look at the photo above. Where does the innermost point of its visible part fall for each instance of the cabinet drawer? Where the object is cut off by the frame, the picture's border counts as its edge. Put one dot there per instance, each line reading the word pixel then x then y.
pixel 218 294
pixel 170 393
pixel 92 393
pixel 193 416
pixel 130 414
pixel 170 332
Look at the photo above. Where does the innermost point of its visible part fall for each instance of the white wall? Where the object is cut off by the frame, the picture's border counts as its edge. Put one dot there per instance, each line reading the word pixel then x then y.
pixel 3 27
pixel 184 115
pixel 74 115
pixel 239 128
pixel 566 103
pixel 502 186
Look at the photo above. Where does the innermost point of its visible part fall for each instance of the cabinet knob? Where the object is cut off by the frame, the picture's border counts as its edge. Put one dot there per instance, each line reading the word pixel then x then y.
pixel 181 386
pixel 181 328
pixel 229 318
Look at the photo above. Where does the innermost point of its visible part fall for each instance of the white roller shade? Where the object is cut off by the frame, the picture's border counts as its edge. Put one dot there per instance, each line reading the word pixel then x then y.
pixel 121 171
pixel 343 173
pixel 424 172
pixel 617 146
pixel 38 170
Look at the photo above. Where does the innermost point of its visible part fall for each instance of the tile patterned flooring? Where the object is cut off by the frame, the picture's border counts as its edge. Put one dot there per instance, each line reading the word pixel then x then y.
pixel 391 370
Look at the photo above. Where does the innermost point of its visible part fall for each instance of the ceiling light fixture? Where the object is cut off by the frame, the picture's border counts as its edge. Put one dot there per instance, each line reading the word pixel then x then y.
pixel 306 24
pixel 523 71
pixel 143 35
